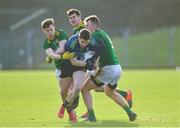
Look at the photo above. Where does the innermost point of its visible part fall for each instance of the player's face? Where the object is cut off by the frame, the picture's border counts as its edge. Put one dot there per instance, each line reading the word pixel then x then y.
pixel 50 31
pixel 74 20
pixel 89 25
pixel 83 43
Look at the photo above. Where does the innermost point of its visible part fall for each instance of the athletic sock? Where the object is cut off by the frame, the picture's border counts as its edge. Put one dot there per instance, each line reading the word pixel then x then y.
pixel 66 103
pixel 122 93
pixel 127 109
pixel 91 114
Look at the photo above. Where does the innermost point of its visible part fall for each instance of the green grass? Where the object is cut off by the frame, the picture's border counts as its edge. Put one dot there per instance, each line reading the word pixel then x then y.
pixel 31 98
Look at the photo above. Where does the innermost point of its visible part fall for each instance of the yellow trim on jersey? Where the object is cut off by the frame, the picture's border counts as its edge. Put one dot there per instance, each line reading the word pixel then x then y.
pixel 80 25
pixel 73 44
pixel 48 41
pixel 57 33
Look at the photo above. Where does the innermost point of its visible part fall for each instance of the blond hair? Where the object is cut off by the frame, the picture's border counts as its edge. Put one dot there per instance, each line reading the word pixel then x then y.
pixel 93 18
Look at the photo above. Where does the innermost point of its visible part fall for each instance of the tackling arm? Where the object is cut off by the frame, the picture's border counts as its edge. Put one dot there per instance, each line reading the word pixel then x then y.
pixel 88 64
pixel 55 56
pixel 61 48
pixel 78 63
pixel 52 54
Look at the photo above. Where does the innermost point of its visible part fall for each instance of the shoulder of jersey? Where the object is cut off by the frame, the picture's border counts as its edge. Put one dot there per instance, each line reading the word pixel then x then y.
pixel 72 39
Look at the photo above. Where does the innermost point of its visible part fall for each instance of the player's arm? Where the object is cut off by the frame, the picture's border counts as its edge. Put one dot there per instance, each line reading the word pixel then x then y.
pixel 78 63
pixel 50 53
pixel 53 55
pixel 97 68
pixel 61 48
pixel 88 64
pixel 98 47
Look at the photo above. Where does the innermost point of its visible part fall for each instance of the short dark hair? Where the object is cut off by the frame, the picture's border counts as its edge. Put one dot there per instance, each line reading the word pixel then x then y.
pixel 94 19
pixel 47 22
pixel 85 34
pixel 72 11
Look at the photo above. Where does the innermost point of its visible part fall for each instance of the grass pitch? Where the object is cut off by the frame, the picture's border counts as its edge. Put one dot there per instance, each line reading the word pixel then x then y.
pixel 31 99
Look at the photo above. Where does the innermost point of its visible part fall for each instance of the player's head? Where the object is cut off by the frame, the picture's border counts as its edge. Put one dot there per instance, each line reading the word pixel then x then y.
pixel 84 37
pixel 74 16
pixel 48 27
pixel 92 22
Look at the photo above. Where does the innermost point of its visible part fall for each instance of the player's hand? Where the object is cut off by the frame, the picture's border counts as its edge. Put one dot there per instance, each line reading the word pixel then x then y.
pixel 90 73
pixel 49 60
pixel 97 72
pixel 68 55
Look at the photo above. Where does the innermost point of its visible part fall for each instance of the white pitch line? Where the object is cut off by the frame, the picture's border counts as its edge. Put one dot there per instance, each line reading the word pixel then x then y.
pixel 27 19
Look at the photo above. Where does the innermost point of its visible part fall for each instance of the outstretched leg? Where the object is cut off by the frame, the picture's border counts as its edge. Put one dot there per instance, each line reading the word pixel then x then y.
pixel 88 99
pixel 111 93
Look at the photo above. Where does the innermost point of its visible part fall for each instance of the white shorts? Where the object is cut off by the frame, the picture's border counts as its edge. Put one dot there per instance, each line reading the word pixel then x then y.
pixel 110 74
pixel 58 73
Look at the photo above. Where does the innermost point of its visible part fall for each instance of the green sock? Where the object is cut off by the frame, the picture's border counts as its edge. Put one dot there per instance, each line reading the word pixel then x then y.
pixel 127 109
pixel 91 114
pixel 122 93
pixel 66 104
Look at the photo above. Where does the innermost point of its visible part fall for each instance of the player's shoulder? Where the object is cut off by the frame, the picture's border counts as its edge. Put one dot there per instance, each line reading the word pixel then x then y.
pixel 72 40
pixel 47 41
pixel 80 26
pixel 59 31
pixel 61 34
pixel 92 41
pixel 98 32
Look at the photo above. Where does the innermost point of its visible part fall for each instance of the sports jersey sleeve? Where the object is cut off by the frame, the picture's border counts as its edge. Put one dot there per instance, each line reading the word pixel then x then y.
pixel 106 49
pixel 78 28
pixel 63 35
pixel 68 47
pixel 71 43
pixel 99 47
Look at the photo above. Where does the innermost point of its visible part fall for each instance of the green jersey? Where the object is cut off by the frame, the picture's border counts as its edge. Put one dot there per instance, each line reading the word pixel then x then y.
pixel 108 56
pixel 54 44
pixel 78 28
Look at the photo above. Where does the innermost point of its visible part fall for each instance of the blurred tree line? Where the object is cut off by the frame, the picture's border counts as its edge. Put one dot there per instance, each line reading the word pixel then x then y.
pixel 140 15
pixel 21 37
